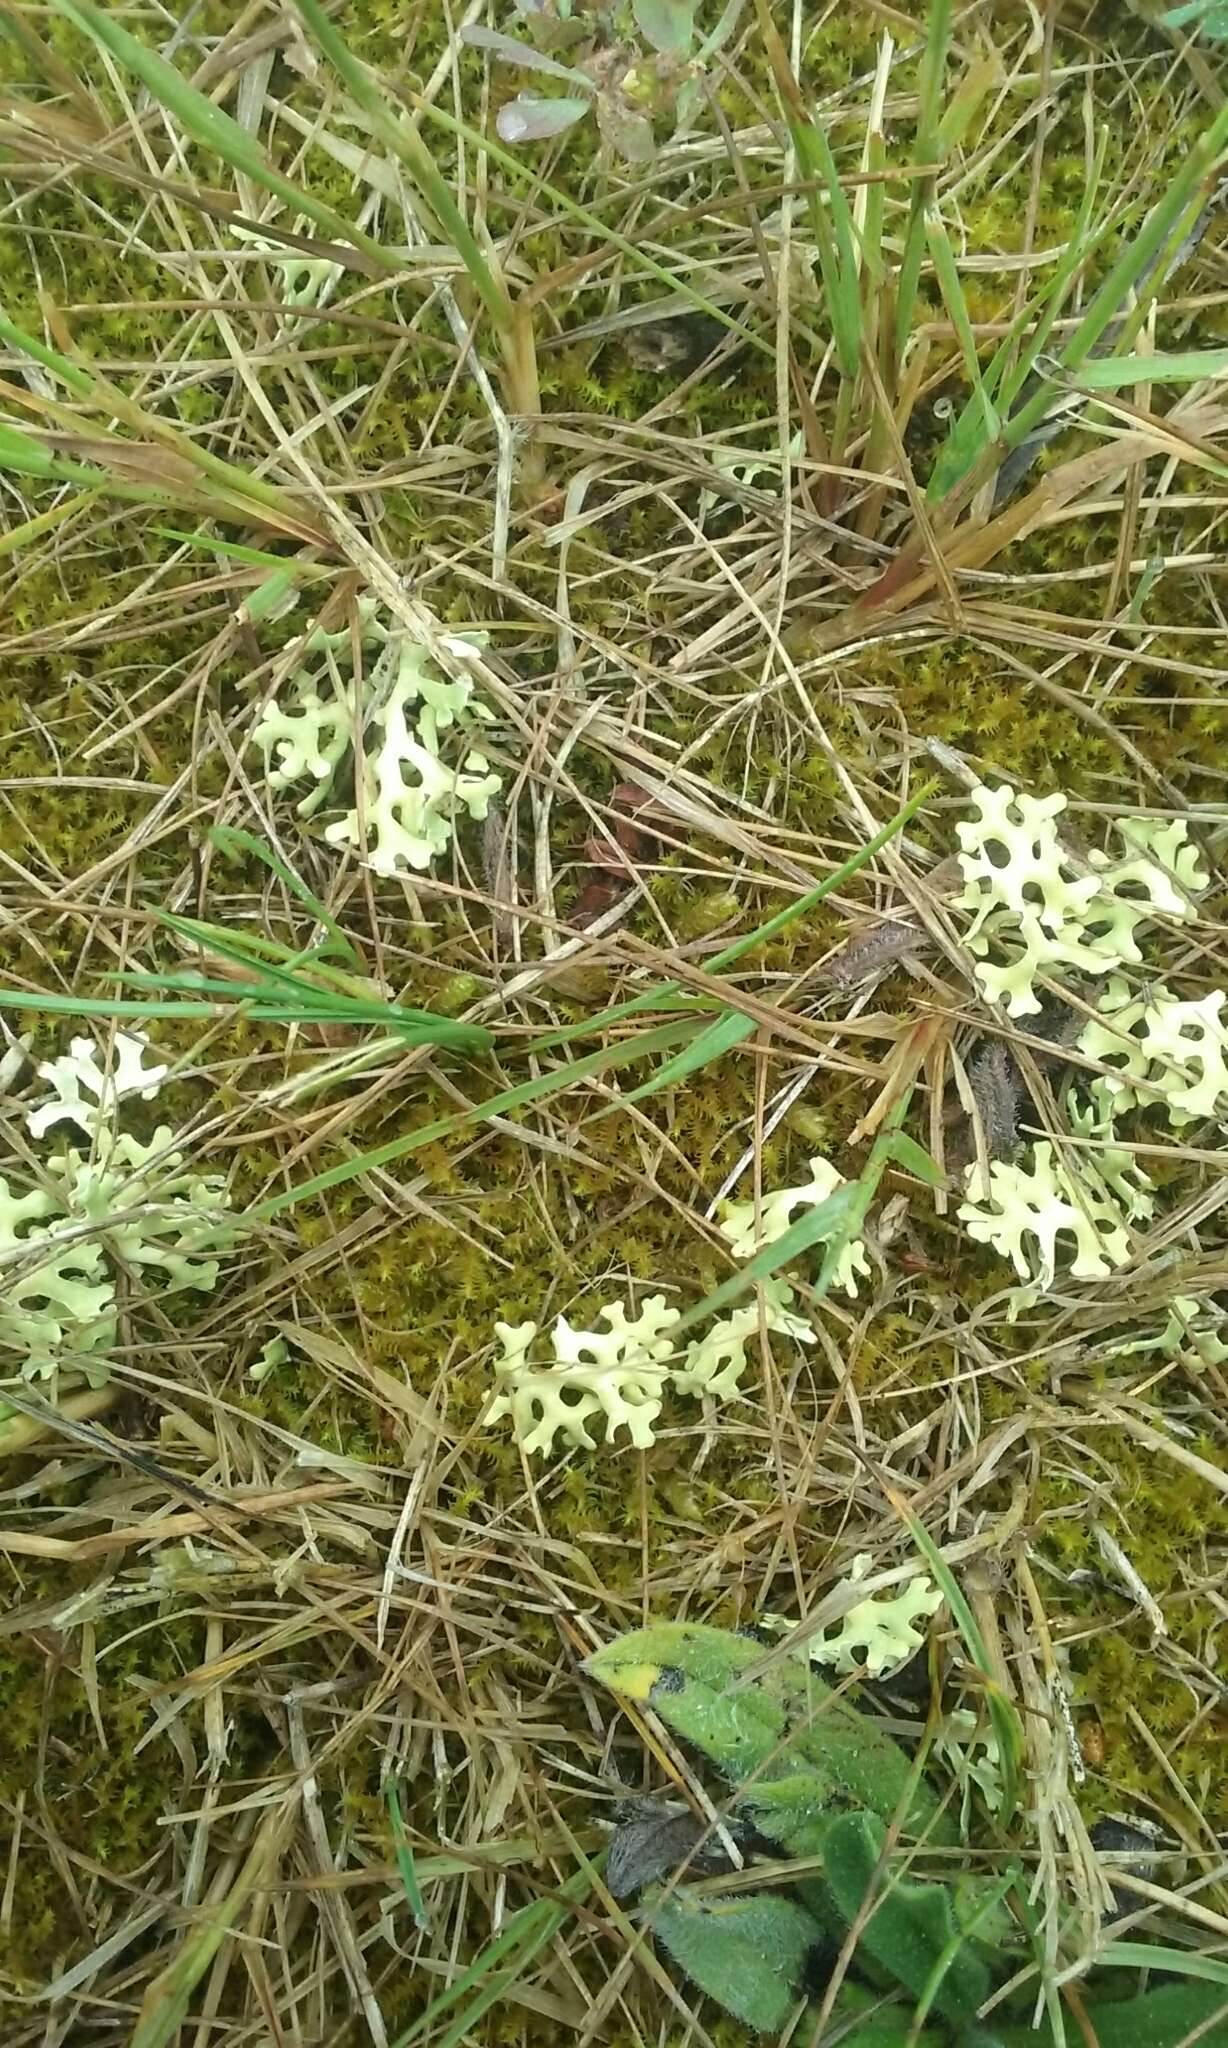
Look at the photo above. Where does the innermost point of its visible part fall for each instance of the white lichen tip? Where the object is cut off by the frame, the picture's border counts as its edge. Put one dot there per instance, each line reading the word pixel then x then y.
pixel 748 1231
pixel 85 1092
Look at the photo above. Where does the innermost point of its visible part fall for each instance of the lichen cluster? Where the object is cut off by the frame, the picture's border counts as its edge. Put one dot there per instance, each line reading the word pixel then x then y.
pixel 107 1204
pixel 398 716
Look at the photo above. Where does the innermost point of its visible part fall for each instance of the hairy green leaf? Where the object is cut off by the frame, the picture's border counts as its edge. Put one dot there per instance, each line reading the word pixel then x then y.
pixel 752 1955
pixel 773 1717
pixel 911 1930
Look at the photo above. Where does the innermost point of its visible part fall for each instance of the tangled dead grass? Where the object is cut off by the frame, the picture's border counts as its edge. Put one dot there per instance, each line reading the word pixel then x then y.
pixel 296 1748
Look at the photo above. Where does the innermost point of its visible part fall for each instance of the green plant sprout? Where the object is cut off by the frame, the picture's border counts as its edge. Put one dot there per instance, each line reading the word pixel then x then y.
pixel 940 1951
pixel 612 76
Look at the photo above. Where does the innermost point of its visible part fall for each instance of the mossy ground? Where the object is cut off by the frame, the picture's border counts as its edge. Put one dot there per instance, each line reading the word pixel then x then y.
pixel 113 630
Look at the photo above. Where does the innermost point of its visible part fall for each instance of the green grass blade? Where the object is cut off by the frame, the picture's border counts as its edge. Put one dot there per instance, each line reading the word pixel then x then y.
pixel 25 343
pixel 836 242
pixel 408 145
pixel 415 1027
pixel 230 839
pixel 527 174
pixel 405 1857
pixel 164 2007
pixel 44 522
pixel 929 121
pixel 1168 221
pixel 508 1099
pixel 213 128
pixel 1113 372
pixel 41 1003
pixel 320 1006
pixel 943 259
pixel 500 1963
pixel 728 1030
pixel 24 456
pixel 89 384
pixel 817 1226
pixel 762 935
pixel 875 216
pixel 245 947
pixel 256 558
pixel 1013 360
pixel 1183 1962
pixel 1006 1723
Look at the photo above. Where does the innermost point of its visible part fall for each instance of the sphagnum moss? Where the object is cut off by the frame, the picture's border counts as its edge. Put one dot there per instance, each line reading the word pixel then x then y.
pixel 464 1693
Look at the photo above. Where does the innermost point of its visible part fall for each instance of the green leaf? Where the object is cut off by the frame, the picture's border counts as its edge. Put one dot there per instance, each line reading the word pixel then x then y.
pixel 1111 373
pixel 771 1718
pixel 752 1955
pixel 726 24
pixel 1165 2018
pixel 728 1030
pixel 530 118
pixel 1168 2018
pixel 529 59
pixel 667 24
pixel 912 1930
pixel 915 1159
pixel 1209 15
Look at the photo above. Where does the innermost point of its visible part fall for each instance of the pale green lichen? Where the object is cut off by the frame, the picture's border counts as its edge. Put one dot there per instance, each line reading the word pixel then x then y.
pixel 84 1092
pixel 618 1372
pixel 58 1295
pixel 303 280
pixel 1037 907
pixel 625 1370
pixel 714 1364
pixel 1190 1336
pixel 877 1635
pixel 119 1206
pixel 968 1746
pixel 1036 1209
pixel 749 1226
pixel 155 1213
pixel 412 786
pixel 1162 1050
